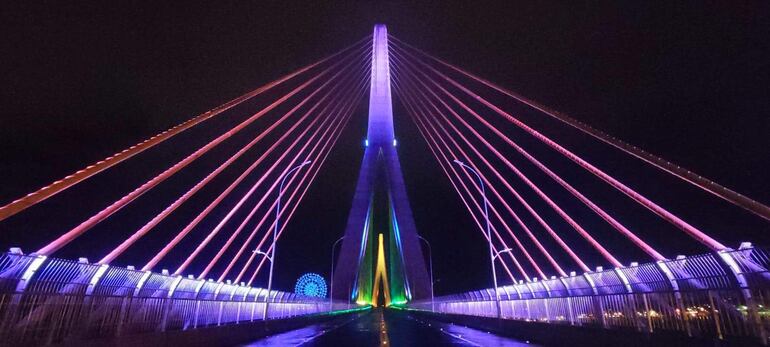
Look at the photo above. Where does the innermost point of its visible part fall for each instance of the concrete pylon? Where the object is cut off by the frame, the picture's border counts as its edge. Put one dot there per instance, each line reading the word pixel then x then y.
pixel 380 205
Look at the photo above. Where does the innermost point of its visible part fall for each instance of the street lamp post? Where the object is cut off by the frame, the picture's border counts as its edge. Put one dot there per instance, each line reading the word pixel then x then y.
pixel 492 254
pixel 275 233
pixel 507 250
pixel 331 285
pixel 430 262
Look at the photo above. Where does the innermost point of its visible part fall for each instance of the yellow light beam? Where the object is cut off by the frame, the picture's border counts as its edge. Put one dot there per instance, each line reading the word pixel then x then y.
pixel 381 274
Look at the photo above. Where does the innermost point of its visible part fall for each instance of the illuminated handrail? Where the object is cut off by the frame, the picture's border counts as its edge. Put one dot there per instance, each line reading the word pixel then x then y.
pixel 717 295
pixel 45 300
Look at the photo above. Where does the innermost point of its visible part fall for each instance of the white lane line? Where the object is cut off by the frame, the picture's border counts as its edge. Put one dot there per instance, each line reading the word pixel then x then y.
pixel 459 337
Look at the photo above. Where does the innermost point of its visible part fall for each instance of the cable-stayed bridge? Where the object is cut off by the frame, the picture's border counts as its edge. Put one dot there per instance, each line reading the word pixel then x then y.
pixel 542 251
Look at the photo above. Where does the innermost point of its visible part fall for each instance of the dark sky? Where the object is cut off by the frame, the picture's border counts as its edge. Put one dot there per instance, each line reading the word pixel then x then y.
pixel 686 82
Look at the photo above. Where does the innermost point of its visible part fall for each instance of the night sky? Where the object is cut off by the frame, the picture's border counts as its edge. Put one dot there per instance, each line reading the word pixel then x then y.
pixel 686 82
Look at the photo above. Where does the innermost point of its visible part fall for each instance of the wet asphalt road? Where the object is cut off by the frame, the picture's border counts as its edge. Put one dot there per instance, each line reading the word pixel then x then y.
pixel 386 327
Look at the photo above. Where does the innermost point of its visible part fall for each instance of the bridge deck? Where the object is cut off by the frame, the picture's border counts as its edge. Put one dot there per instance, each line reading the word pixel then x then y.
pixel 389 327
pixel 385 327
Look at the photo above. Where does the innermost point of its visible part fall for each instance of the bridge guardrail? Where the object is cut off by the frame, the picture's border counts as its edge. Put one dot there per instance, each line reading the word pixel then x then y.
pixel 720 294
pixel 48 300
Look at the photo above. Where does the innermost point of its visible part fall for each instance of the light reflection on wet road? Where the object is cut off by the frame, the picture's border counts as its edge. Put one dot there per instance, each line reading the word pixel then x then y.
pixel 380 327
pixel 299 337
pixel 472 337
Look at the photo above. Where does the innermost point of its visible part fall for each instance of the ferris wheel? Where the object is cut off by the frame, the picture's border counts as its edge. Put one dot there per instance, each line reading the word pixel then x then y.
pixel 311 284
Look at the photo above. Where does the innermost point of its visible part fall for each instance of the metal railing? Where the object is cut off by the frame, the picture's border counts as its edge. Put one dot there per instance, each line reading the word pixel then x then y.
pixel 47 300
pixel 718 295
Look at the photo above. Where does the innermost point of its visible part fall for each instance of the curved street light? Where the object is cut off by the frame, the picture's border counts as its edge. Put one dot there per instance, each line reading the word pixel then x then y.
pixel 492 254
pixel 507 250
pixel 275 233
pixel 430 261
pixel 331 279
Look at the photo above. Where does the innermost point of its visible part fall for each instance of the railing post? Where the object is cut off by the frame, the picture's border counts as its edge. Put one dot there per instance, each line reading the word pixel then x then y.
pixel 238 312
pixel 197 313
pixel 254 304
pixel 166 307
pixel 647 312
pixel 596 302
pixel 528 302
pixel 677 295
pixel 137 291
pixel 265 313
pixel 124 313
pixel 638 321
pixel 529 310
pixel 731 261
pixel 507 301
pixel 26 276
pixel 570 312
pixel 512 303
pixel 197 299
pixel 87 306
pixel 168 302
pixel 545 303
pixel 219 316
pixel 715 315
pixel 216 293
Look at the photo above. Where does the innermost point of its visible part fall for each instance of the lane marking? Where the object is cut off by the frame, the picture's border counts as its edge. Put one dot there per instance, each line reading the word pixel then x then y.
pixel 384 340
pixel 311 338
pixel 459 337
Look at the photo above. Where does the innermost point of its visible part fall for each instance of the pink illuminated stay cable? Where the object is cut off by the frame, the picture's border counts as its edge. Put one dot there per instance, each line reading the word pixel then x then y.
pixel 267 214
pixel 320 154
pixel 603 214
pixel 693 178
pixel 232 186
pixel 222 223
pixel 315 168
pixel 600 248
pixel 168 210
pixel 439 155
pixel 446 158
pixel 54 188
pixel 523 249
pixel 430 127
pixel 246 220
pixel 660 211
pixel 245 244
pixel 340 119
pixel 117 205
pixel 175 241
pixel 421 124
pixel 268 195
pixel 545 225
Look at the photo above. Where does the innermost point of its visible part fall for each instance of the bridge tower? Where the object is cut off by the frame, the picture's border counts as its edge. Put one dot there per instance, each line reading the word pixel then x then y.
pixel 380 206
